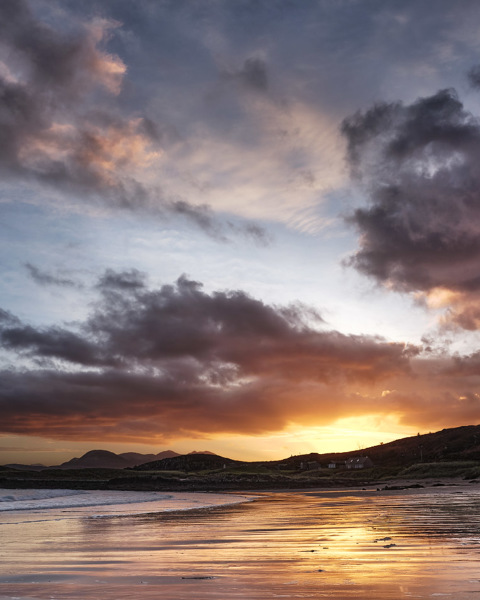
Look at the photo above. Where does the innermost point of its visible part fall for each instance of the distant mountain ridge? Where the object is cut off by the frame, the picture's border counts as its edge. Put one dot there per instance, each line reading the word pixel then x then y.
pixel 195 461
pixel 20 467
pixel 453 444
pixel 104 459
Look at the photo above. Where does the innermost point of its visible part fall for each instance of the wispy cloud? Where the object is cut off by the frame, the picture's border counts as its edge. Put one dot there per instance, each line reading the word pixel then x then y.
pixel 45 278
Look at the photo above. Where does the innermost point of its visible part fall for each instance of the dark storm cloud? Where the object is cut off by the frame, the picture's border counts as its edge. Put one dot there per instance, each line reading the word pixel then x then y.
pixel 50 343
pixel 123 280
pixel 45 279
pixel 418 164
pixel 133 324
pixel 232 329
pixel 156 363
pixel 127 406
pixel 6 318
pixel 177 359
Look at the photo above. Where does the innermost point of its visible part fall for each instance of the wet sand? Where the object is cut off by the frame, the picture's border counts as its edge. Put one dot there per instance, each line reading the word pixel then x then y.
pixel 346 544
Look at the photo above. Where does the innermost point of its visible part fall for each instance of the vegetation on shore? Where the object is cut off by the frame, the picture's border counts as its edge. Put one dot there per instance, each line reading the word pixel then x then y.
pixel 451 453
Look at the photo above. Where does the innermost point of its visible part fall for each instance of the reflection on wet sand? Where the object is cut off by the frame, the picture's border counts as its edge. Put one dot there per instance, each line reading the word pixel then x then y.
pixel 374 545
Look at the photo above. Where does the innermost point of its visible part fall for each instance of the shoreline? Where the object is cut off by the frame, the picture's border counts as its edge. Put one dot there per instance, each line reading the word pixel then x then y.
pixel 111 504
pixel 177 486
pixel 339 543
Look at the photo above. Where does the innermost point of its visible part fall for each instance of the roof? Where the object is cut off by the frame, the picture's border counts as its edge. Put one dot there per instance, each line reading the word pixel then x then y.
pixel 358 460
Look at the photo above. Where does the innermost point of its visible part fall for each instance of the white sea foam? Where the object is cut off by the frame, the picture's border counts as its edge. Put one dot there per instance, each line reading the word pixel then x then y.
pixel 112 503
pixel 52 498
pixel 32 495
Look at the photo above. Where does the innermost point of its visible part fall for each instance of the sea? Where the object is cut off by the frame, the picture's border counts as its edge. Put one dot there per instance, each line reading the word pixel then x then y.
pixel 371 544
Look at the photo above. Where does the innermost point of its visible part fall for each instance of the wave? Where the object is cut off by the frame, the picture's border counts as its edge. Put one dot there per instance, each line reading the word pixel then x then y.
pixel 112 502
pixel 32 495
pixel 53 498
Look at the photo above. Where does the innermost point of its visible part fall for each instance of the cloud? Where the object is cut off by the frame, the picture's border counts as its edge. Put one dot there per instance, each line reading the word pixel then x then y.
pixel 27 449
pixel 6 318
pixel 123 280
pixel 46 80
pixel 253 75
pixel 167 108
pixel 52 342
pixel 473 77
pixel 44 278
pixel 418 165
pixel 149 364
pixel 240 129
pixel 63 127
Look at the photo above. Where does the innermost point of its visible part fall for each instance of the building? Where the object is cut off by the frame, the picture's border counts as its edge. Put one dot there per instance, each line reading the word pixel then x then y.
pixel 359 462
pixel 336 464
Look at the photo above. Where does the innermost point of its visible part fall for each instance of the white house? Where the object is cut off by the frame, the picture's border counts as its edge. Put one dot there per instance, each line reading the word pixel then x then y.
pixel 359 462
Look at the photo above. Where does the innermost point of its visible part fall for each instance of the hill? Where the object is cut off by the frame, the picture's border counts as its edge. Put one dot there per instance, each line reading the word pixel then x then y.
pixel 458 443
pixel 35 467
pixel 135 458
pixel 448 453
pixel 103 459
pixel 96 459
pixel 188 462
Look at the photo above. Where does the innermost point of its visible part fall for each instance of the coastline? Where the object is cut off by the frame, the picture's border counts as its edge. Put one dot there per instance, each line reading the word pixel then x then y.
pixel 258 486
pixel 345 543
pixel 127 501
pixel 157 483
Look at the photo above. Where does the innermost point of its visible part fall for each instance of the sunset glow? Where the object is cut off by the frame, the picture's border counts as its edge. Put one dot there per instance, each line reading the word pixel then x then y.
pixel 251 229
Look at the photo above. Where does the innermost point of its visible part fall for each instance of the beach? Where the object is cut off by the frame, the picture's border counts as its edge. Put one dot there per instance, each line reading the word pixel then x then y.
pixel 342 544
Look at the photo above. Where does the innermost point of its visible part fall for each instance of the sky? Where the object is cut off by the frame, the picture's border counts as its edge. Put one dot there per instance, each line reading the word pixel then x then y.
pixel 249 227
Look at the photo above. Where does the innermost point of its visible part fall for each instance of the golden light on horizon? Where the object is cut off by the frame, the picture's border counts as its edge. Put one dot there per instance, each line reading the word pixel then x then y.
pixel 345 435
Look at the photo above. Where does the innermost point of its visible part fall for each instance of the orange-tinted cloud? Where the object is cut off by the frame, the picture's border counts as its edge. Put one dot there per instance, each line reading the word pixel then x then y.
pixel 60 126
pixel 47 78
pixel 152 364
pixel 53 117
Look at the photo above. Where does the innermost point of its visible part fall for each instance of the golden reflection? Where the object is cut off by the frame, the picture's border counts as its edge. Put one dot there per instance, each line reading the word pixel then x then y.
pixel 362 544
